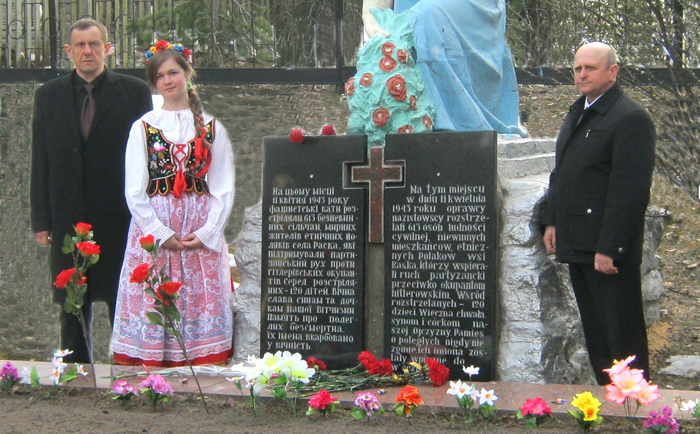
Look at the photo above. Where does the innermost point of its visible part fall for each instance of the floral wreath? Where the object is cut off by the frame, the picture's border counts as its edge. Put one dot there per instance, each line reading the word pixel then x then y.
pixel 164 45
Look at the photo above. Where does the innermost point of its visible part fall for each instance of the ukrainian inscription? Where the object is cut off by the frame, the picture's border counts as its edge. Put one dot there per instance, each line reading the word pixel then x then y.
pixel 440 252
pixel 313 251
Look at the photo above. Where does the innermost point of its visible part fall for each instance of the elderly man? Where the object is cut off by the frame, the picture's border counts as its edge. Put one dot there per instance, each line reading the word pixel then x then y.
pixel 594 217
pixel 80 126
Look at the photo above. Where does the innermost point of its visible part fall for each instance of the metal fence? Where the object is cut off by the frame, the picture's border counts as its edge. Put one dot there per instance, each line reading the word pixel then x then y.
pixel 223 33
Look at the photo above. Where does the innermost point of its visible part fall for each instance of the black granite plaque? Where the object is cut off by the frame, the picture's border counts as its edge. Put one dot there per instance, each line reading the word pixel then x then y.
pixel 440 251
pixel 312 248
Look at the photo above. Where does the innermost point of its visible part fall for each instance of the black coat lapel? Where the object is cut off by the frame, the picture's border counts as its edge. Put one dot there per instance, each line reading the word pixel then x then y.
pixel 109 92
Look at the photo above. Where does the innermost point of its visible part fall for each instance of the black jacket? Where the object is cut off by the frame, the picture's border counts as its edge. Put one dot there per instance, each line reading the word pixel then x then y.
pixel 599 189
pixel 76 180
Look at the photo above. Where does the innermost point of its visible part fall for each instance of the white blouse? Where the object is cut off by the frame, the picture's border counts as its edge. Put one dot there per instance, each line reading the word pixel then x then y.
pixel 178 127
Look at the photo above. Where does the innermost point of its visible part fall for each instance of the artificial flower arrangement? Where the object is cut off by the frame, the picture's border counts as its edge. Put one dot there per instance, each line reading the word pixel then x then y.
pixel 466 395
pixel 628 385
pixel 165 45
pixel 535 411
pixel 322 402
pixel 586 414
pixel 8 376
pixel 165 294
pixel 661 422
pixel 85 253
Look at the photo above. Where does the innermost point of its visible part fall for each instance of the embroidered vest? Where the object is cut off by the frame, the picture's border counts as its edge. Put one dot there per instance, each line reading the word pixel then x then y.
pixel 165 159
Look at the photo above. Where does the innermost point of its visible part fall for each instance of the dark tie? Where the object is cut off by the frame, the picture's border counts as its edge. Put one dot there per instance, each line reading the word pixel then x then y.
pixel 88 112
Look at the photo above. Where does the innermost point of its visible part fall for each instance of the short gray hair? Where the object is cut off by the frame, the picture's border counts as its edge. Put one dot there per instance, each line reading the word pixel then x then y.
pixel 85 24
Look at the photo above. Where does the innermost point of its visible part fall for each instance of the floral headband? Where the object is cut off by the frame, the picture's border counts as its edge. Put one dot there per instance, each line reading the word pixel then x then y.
pixel 164 45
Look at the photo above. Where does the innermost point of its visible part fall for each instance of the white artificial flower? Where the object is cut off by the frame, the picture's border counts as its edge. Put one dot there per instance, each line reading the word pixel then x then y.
pixel 689 405
pixel 62 353
pixel 486 397
pixel 58 363
pixel 26 376
pixel 81 370
pixel 471 370
pixel 459 389
pixel 299 370
pixel 55 376
pixel 270 362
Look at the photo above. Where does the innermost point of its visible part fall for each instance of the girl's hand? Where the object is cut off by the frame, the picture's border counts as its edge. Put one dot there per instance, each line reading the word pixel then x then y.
pixel 191 241
pixel 173 243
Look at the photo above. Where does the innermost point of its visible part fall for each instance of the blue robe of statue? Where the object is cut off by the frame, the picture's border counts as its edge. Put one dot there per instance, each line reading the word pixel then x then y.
pixel 462 55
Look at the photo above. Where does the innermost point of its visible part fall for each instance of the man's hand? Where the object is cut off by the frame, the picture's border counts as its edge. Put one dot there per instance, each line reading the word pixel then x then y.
pixel 550 239
pixel 604 264
pixel 43 238
pixel 173 243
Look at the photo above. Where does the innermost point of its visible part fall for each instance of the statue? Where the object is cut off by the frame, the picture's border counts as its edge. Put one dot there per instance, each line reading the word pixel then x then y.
pixel 461 53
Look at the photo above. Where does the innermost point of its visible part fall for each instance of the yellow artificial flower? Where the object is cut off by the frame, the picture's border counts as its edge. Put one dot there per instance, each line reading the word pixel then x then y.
pixel 153 50
pixel 590 412
pixel 585 400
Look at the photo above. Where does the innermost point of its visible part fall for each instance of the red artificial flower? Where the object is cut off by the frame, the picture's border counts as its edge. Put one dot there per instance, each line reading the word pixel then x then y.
pixel 88 248
pixel 315 363
pixel 350 86
pixel 535 407
pixel 328 130
pixel 397 87
pixel 387 64
pixel 161 45
pixel 412 103
pixel 387 48
pixel 322 400
pixel 66 276
pixel 410 397
pixel 427 122
pixel 63 278
pixel 187 54
pixel 296 136
pixel 82 229
pixel 140 274
pixel 405 129
pixel 171 288
pixel 380 117
pixel 366 79
pixel 439 373
pixel 148 242
pixel 403 56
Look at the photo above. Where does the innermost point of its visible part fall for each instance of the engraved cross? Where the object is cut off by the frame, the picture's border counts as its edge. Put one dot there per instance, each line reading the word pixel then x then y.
pixel 377 174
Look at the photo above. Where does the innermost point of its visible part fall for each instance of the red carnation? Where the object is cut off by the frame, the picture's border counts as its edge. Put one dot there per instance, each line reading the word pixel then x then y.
pixel 380 117
pixel 315 363
pixel 403 56
pixel 296 136
pixel 88 248
pixel 350 86
pixel 366 79
pixel 384 367
pixel 397 87
pixel 140 274
pixel 366 358
pixel 387 64
pixel 82 229
pixel 387 48
pixel 439 373
pixel 328 130
pixel 161 45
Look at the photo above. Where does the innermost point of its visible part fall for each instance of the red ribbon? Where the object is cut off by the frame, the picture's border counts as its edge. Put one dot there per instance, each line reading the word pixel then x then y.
pixel 179 185
pixel 202 154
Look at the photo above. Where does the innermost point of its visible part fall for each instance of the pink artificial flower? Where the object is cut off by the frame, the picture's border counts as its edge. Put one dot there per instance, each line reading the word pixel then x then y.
pixel 614 394
pixel 628 380
pixel 619 366
pixel 648 394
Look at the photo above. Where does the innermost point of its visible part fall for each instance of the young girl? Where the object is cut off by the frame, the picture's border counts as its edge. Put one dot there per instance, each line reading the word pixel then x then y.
pixel 179 188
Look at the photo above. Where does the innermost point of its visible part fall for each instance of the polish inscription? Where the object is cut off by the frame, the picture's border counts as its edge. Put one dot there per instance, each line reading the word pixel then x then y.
pixel 440 259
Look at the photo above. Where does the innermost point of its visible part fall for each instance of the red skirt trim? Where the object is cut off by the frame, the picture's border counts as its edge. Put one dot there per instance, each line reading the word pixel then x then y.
pixel 212 359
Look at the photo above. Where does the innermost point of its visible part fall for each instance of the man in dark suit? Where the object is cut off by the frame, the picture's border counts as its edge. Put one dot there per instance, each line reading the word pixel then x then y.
pixel 78 170
pixel 594 217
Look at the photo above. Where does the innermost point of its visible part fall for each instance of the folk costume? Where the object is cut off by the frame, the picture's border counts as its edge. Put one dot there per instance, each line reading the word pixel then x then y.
pixel 174 187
